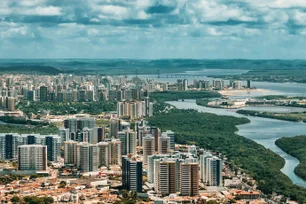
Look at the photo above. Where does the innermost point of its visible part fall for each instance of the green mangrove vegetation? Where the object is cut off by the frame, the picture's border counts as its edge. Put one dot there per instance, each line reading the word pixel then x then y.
pixel 62 108
pixel 23 129
pixel 295 117
pixel 296 147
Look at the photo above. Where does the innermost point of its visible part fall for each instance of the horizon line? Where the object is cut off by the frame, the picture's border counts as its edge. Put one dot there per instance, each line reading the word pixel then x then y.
pixel 156 59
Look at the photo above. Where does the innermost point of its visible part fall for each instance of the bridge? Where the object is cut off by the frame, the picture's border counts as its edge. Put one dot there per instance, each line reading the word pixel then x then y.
pixel 181 76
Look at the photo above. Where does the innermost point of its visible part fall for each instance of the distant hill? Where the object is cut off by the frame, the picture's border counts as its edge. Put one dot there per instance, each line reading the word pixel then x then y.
pixel 31 69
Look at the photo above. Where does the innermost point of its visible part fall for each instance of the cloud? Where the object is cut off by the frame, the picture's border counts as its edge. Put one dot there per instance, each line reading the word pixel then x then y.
pixel 152 28
pixel 114 12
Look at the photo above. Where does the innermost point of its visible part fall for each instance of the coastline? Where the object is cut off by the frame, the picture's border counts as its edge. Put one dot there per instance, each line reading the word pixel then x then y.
pixel 243 92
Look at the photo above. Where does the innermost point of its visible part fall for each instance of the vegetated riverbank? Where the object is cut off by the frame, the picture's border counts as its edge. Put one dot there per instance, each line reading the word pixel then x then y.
pixel 159 98
pixel 294 117
pixel 296 147
pixel 205 102
pixel 218 133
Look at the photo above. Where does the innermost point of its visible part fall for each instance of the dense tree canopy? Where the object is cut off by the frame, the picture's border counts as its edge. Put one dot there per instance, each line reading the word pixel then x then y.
pixel 295 146
pixel 22 129
pixel 59 108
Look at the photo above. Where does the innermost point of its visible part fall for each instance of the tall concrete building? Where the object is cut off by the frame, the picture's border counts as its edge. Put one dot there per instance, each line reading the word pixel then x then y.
pixel 70 152
pixel 87 157
pixel 142 131
pixel 32 158
pixel 189 179
pixel 10 141
pixel 64 134
pixel 203 165
pixel 76 126
pixel 8 146
pixel 167 180
pixel 171 135
pixel 152 168
pixel 31 95
pixel 128 142
pixel 148 147
pixel 211 169
pixel 164 144
pixel 103 154
pixel 114 152
pixel 11 104
pixel 53 148
pixel 131 174
pixel 43 93
pixel 114 127
pixel 155 132
pixel 214 171
pixel 248 84
pixel 185 84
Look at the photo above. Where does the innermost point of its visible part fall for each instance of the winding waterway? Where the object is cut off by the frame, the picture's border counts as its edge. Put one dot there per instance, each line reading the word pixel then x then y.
pixel 264 131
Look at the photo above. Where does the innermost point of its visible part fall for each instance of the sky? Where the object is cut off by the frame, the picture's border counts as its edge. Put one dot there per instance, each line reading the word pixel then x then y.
pixel 153 29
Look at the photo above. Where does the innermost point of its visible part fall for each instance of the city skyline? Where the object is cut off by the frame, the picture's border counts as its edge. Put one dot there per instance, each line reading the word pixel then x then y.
pixel 143 29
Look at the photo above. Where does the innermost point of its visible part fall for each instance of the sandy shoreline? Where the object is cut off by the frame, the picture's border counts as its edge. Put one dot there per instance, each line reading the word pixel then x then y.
pixel 245 92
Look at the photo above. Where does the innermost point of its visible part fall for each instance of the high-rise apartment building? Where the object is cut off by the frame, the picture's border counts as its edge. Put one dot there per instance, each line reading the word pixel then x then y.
pixel 8 146
pixel 53 147
pixel 114 127
pixel 189 179
pixel 152 160
pixel 155 132
pixel 148 147
pixel 164 144
pixel 10 142
pixel 103 154
pixel 114 152
pixel 171 135
pixel 131 174
pixel 185 84
pixel 167 180
pixel 211 169
pixel 43 93
pixel 11 104
pixel 76 125
pixel 32 158
pixel 128 142
pixel 64 134
pixel 70 152
pixel 87 157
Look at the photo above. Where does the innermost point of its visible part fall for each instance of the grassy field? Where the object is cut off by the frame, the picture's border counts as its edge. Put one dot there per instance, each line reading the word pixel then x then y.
pixel 102 122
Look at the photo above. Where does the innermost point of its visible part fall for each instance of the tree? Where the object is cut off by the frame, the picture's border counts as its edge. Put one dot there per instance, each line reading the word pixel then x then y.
pixel 15 199
pixel 48 200
pixel 212 202
pixel 33 176
pixel 63 184
pixel 128 197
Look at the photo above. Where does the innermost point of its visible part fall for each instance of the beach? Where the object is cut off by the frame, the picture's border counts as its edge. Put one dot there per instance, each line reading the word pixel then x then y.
pixel 244 92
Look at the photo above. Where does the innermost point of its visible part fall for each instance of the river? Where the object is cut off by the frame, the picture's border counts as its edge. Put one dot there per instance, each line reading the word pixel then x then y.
pixel 264 131
pixel 288 89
